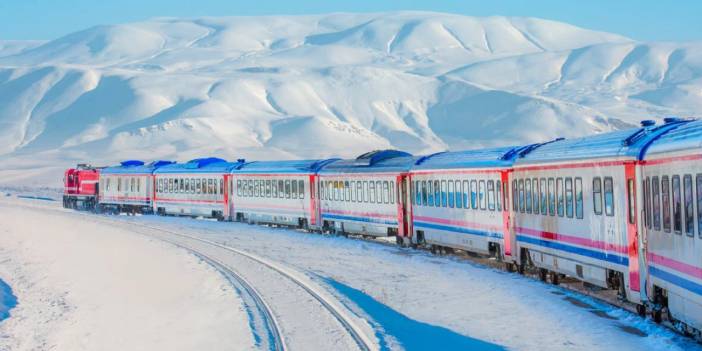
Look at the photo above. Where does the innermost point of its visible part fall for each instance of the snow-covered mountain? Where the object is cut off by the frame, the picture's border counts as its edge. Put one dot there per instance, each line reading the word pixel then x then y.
pixel 323 85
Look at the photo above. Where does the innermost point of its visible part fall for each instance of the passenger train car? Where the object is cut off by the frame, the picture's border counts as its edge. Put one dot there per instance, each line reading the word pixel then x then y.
pixel 671 179
pixel 619 210
pixel 367 195
pixel 277 192
pixel 574 205
pixel 199 187
pixel 128 187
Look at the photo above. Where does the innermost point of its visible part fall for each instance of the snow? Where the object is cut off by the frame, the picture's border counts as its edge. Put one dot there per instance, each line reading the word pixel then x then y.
pixel 441 296
pixel 319 86
pixel 83 285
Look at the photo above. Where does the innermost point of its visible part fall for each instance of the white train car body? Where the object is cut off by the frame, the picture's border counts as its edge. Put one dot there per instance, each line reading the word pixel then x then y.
pixel 129 186
pixel 196 188
pixel 367 195
pixel 277 192
pixel 672 210
pixel 458 200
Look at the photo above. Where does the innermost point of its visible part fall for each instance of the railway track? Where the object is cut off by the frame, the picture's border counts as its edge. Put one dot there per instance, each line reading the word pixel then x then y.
pixel 336 309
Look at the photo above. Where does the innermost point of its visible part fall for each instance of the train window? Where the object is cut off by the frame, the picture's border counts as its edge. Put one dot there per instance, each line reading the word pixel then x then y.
pixel 300 189
pixel 437 194
pixel 352 188
pixel 176 185
pixel 466 191
pixel 698 180
pixel 170 185
pixel 665 191
pixel 579 198
pixel 386 192
pixel 417 198
pixel 392 192
pixel 119 184
pixel 451 196
pixel 498 195
pixel 655 189
pixel 293 189
pixel 267 187
pixel 380 194
pixel 481 194
pixel 551 197
pixel 335 190
pixel 543 196
pixel 527 195
pixel 521 196
pixel 423 189
pixel 430 193
pixel 359 191
pixel 371 190
pixel 345 194
pixel 275 192
pixel 443 193
pixel 238 187
pixel 287 189
pixel 251 188
pixel 133 182
pixel 138 184
pixel 631 200
pixel 182 185
pixel 159 185
pixel 459 194
pixel 211 186
pixel 187 185
pixel 474 194
pixel 597 195
pixel 257 189
pixel 192 185
pixel 647 202
pixel 609 196
pixel 559 197
pixel 569 197
pixel 689 205
pixel 677 205
pixel 535 195
pixel 491 195
pixel 366 191
pixel 515 197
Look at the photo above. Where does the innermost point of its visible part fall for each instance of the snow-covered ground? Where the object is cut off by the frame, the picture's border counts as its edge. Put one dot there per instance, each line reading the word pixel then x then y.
pixel 282 87
pixel 413 299
pixel 86 286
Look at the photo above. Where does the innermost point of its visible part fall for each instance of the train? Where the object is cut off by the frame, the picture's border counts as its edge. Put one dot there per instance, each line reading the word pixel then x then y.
pixel 619 210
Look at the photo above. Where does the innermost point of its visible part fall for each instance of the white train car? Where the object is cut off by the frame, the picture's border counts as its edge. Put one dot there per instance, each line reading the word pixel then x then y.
pixel 672 210
pixel 196 188
pixel 128 187
pixel 277 192
pixel 575 208
pixel 458 201
pixel 367 195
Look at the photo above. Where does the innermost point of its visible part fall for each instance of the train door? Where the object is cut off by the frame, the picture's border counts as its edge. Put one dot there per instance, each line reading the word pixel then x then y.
pixel 314 201
pixel 632 234
pixel 507 222
pixel 404 208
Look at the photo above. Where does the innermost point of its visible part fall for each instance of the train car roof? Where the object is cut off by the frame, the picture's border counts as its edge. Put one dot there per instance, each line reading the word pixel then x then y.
pixel 135 167
pixel 200 165
pixel 685 136
pixel 370 162
pixel 498 157
pixel 290 166
pixel 630 143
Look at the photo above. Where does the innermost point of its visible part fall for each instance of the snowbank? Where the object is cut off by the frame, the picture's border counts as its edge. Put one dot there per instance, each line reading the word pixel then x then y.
pixel 82 285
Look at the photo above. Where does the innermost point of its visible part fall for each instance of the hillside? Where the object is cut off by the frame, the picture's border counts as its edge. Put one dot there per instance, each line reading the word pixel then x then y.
pixel 324 85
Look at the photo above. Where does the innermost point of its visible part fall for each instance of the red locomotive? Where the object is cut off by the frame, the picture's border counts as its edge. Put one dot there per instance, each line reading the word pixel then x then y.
pixel 81 187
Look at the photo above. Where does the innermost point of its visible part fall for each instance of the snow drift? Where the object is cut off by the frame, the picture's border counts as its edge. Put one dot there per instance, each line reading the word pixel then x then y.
pixel 325 85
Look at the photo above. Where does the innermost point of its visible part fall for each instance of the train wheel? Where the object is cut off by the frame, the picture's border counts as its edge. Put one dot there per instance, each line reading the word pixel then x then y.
pixel 543 274
pixel 509 267
pixel 641 310
pixel 657 316
pixel 520 268
pixel 554 278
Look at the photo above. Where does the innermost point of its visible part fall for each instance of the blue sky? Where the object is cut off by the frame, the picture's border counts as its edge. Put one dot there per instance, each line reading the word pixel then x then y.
pixel 646 20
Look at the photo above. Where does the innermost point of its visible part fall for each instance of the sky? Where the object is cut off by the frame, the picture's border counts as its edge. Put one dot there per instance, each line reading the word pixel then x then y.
pixel 644 20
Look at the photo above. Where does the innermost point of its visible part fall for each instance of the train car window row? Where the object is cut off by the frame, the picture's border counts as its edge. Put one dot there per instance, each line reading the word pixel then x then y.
pixel 190 186
pixel 671 201
pixel 368 191
pixel 562 196
pixel 271 188
pixel 466 194
pixel 131 184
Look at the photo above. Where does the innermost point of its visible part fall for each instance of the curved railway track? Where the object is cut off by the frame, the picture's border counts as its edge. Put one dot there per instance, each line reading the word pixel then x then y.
pixel 335 308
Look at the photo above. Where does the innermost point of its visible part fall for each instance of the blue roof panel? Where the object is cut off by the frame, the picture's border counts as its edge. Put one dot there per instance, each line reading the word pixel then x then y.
pixel 685 136
pixel 375 161
pixel 200 165
pixel 481 158
pixel 135 167
pixel 293 166
pixel 630 143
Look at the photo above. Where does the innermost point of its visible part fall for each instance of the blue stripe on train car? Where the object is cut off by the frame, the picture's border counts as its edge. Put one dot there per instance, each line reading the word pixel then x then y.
pixel 462 230
pixel 616 259
pixel 676 280
pixel 359 219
